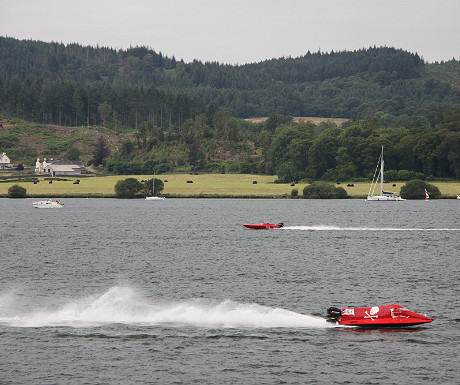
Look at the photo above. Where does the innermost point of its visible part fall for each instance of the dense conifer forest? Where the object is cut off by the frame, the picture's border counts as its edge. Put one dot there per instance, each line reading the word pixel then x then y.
pixel 167 114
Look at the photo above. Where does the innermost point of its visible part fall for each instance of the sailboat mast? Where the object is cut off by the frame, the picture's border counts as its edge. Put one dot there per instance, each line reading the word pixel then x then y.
pixel 381 174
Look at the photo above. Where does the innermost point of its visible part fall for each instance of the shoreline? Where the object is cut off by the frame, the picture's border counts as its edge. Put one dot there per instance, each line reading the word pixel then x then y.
pixel 193 196
pixel 183 186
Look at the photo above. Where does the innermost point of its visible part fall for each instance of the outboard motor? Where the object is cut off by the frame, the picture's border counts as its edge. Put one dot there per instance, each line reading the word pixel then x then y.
pixel 281 224
pixel 334 313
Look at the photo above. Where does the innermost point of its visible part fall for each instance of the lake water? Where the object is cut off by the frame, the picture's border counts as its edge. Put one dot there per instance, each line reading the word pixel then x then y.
pixel 110 291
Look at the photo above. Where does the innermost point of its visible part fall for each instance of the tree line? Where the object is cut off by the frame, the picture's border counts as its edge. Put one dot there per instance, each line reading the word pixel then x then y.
pixel 296 151
pixel 381 81
pixel 81 103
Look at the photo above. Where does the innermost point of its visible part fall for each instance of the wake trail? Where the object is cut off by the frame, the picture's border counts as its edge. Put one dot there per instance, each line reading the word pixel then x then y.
pixel 123 305
pixel 338 228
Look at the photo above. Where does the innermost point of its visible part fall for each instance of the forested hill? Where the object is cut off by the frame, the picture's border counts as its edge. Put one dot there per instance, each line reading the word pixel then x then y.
pixel 140 64
pixel 139 83
pixel 161 114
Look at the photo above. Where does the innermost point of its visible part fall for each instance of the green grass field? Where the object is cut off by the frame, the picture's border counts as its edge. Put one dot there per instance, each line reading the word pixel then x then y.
pixel 203 184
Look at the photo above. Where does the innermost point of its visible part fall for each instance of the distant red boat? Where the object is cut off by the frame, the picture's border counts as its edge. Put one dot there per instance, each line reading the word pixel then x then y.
pixel 263 226
pixel 376 316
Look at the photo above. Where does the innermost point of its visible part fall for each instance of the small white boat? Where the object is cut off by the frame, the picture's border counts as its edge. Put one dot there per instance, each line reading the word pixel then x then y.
pixel 154 198
pixel 384 195
pixel 48 204
pixel 427 197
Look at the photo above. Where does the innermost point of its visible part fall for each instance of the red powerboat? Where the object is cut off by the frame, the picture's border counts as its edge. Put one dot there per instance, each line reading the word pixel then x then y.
pixel 376 316
pixel 263 226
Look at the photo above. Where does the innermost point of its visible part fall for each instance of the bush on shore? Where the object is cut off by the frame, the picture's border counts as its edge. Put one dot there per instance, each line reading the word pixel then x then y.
pixel 415 189
pixel 17 191
pixel 324 190
pixel 128 188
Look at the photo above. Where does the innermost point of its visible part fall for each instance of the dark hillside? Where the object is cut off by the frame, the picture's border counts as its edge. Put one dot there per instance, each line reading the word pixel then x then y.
pixel 444 73
pixel 386 81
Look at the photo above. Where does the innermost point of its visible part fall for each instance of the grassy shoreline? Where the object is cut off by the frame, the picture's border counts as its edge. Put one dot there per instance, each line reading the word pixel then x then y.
pixel 191 186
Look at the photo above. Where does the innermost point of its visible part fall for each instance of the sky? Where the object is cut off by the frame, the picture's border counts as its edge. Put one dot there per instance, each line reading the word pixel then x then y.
pixel 240 31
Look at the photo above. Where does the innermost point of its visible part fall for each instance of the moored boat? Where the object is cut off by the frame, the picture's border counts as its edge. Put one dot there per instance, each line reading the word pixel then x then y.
pixel 154 198
pixel 48 204
pixel 263 226
pixel 384 195
pixel 376 316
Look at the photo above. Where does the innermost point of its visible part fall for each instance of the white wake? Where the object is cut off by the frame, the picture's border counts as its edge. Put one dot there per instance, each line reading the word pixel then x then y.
pixel 126 306
pixel 339 228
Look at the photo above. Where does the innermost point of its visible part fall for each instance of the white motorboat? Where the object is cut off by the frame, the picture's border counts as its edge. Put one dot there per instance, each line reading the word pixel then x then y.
pixel 48 204
pixel 384 195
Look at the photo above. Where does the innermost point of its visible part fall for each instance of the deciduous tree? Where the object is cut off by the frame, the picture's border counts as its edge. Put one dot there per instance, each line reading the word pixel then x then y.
pixel 415 189
pixel 148 186
pixel 128 188
pixel 17 191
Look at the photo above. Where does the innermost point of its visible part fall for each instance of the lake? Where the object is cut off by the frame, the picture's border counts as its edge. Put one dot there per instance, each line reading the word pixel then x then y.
pixel 108 291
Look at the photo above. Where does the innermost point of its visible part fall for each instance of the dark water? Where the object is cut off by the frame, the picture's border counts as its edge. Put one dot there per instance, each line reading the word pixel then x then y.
pixel 177 291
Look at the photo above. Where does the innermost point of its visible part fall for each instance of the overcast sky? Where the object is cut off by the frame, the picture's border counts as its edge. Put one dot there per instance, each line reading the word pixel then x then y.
pixel 240 31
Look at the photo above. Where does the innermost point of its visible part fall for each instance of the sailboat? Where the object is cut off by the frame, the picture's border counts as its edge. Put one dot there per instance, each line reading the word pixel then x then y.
pixel 426 195
pixel 384 195
pixel 153 197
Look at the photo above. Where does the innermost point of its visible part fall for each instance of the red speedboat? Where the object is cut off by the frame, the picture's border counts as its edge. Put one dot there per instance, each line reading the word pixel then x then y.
pixel 376 316
pixel 263 226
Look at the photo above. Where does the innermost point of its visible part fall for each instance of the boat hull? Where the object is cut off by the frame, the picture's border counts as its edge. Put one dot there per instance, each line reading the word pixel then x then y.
pixel 154 198
pixel 384 198
pixel 389 316
pixel 263 226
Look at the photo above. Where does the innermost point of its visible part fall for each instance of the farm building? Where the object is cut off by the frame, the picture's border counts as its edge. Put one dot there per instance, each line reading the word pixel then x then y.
pixel 61 167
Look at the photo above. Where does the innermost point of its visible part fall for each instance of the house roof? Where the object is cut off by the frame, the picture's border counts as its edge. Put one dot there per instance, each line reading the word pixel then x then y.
pixel 63 167
pixel 61 162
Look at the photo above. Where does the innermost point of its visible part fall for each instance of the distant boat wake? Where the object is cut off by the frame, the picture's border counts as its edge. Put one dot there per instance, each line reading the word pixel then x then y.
pixel 338 228
pixel 123 305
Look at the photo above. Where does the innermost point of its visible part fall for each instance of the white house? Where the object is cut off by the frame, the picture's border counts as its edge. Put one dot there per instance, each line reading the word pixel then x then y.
pixel 4 159
pixel 5 162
